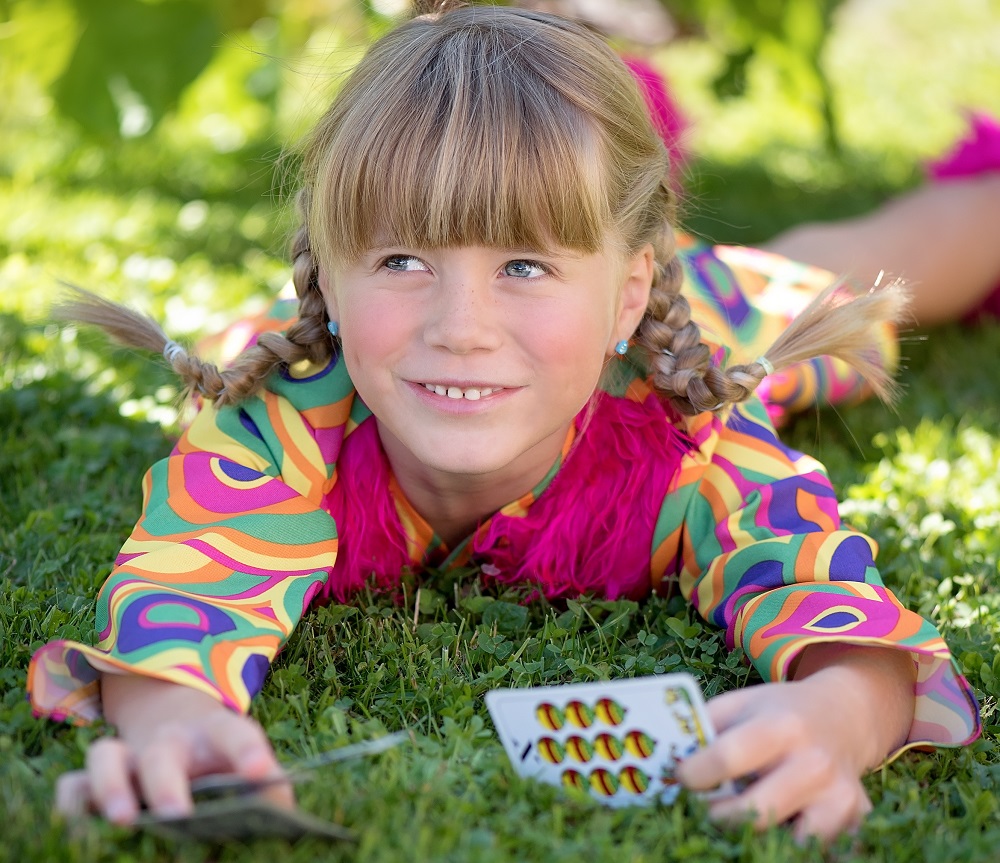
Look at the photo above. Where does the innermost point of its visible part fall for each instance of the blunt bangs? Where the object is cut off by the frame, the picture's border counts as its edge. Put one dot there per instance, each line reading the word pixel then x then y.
pixel 465 140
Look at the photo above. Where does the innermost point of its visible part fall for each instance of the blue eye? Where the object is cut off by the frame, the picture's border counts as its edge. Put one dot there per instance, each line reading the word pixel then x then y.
pixel 524 269
pixel 404 263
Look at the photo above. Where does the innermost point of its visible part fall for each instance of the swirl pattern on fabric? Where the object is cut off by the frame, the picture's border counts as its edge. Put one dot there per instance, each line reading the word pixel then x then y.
pixel 237 540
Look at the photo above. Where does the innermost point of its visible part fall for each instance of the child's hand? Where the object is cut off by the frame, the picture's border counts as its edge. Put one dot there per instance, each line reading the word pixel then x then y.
pixel 806 743
pixel 169 734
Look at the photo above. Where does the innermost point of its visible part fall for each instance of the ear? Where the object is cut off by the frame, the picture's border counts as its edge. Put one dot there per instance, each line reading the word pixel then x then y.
pixel 636 285
pixel 326 289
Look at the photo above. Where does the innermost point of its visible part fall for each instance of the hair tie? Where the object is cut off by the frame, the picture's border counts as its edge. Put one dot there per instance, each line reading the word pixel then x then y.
pixel 171 349
pixel 766 364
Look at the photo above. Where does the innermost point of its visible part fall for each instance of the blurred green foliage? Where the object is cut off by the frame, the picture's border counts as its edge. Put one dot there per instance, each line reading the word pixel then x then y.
pixel 119 66
pixel 787 35
pixel 133 60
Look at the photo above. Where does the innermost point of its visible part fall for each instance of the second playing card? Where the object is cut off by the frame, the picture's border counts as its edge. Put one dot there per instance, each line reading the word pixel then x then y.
pixel 619 740
pixel 241 819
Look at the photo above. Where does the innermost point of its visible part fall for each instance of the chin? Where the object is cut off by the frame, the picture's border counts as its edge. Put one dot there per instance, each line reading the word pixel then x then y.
pixel 466 464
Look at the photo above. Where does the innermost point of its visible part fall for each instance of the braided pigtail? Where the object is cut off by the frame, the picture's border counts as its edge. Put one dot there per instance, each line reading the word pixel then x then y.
pixel 678 359
pixel 128 327
pixel 306 339
pixel 838 323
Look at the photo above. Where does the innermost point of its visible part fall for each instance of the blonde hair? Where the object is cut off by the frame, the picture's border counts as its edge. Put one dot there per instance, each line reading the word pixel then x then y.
pixel 486 125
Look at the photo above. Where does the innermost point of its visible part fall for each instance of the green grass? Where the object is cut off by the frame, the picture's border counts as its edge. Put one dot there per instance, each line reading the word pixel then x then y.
pixel 69 490
pixel 193 235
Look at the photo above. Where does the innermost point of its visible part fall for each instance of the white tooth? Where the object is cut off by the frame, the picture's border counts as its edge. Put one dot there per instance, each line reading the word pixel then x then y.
pixel 454 392
pixel 429 387
pixel 485 392
pixel 441 391
pixel 472 394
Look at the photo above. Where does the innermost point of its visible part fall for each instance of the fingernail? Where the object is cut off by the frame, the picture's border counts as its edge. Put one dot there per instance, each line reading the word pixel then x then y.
pixel 258 763
pixel 119 810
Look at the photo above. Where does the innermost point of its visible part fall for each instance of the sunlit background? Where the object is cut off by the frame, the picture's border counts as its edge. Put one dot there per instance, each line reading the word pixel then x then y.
pixel 147 149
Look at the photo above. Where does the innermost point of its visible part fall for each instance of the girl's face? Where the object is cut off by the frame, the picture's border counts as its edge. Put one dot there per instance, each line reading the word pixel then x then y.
pixel 475 360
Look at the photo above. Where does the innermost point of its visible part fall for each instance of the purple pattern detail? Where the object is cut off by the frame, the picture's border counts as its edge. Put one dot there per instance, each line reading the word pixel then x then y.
pixel 851 559
pixel 253 673
pixel 736 307
pixel 835 620
pixel 765 575
pixel 134 634
pixel 249 424
pixel 238 471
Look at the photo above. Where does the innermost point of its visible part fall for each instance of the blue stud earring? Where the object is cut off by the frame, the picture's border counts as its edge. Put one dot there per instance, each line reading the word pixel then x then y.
pixel 621 348
pixel 334 328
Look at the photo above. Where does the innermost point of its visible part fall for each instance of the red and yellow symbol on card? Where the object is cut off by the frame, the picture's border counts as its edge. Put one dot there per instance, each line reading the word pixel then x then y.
pixel 604 782
pixel 579 714
pixel 579 749
pixel 608 747
pixel 639 743
pixel 549 716
pixel 551 750
pixel 633 779
pixel 609 711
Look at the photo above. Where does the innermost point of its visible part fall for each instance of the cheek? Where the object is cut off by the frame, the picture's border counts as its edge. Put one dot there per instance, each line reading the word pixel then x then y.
pixel 373 333
pixel 571 343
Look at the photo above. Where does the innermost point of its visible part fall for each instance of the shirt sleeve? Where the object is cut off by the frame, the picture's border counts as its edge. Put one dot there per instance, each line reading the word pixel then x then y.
pixel 232 546
pixel 745 298
pixel 764 555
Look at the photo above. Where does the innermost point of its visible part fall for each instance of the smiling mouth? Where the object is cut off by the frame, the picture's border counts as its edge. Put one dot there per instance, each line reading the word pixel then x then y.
pixel 469 393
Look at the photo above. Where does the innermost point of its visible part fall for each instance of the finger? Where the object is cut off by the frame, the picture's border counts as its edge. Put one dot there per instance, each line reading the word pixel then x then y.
pixel 282 795
pixel 73 794
pixel 109 772
pixel 752 746
pixel 730 707
pixel 835 814
pixel 786 791
pixel 163 769
pixel 244 746
pixel 241 743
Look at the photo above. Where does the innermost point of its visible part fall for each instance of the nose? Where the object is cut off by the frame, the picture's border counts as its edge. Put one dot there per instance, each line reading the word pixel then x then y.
pixel 464 314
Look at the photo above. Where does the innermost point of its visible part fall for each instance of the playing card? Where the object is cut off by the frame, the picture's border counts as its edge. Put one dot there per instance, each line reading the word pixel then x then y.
pixel 239 819
pixel 619 740
pixel 230 807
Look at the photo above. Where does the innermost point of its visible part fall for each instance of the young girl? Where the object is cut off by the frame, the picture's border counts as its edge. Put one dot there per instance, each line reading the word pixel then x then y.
pixel 494 363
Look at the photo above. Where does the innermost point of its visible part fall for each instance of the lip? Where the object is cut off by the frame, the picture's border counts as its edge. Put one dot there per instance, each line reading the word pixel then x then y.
pixel 444 404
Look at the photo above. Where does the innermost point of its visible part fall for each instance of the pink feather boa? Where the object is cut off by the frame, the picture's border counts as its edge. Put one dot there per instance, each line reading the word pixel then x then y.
pixel 590 531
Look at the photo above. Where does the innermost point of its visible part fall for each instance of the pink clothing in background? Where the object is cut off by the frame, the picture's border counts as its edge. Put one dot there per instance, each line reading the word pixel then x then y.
pixel 977 153
pixel 663 110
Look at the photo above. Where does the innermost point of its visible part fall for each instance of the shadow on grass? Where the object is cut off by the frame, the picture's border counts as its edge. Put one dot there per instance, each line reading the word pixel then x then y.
pixel 748 204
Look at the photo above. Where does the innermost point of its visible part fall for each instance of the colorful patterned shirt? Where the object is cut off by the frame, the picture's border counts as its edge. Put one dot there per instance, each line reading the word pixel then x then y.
pixel 248 522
